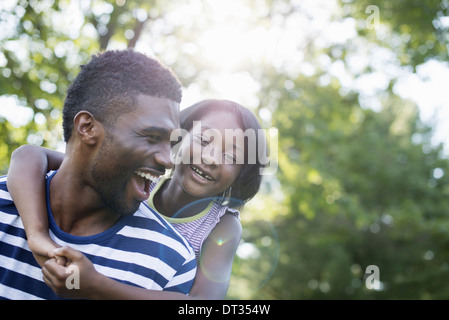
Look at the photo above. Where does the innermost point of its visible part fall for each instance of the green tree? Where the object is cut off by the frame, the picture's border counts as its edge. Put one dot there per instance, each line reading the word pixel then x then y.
pixel 415 30
pixel 360 192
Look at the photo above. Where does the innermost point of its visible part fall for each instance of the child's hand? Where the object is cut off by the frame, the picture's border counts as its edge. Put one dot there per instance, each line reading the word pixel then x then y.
pixel 76 279
pixel 42 247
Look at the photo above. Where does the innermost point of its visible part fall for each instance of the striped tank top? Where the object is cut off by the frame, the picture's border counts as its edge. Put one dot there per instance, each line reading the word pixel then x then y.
pixel 197 228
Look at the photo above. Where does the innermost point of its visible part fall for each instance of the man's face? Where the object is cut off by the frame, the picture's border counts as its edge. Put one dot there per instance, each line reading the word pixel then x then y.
pixel 137 145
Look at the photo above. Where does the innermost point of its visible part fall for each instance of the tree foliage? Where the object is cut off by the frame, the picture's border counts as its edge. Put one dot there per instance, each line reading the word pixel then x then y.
pixel 360 192
pixel 416 30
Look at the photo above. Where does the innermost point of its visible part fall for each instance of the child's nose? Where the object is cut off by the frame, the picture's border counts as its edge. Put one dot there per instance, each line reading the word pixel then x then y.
pixel 210 156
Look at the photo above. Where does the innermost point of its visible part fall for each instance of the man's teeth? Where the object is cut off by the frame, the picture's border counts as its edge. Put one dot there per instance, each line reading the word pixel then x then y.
pixel 146 175
pixel 202 174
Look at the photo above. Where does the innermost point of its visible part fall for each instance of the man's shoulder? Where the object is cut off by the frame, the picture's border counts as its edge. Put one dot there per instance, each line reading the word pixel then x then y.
pixel 5 197
pixel 3 182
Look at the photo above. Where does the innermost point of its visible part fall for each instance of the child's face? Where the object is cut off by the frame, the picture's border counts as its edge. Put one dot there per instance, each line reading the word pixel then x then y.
pixel 210 154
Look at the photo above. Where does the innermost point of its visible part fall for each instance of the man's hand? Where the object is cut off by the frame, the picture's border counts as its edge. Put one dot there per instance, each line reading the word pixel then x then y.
pixel 70 267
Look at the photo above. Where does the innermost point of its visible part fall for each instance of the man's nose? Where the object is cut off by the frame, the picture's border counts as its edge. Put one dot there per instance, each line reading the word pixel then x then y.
pixel 163 156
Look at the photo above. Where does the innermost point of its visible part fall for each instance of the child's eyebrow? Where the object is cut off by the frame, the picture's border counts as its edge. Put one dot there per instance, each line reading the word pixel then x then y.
pixel 236 147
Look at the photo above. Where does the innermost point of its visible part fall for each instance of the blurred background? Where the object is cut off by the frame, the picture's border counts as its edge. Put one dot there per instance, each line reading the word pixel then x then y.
pixel 357 90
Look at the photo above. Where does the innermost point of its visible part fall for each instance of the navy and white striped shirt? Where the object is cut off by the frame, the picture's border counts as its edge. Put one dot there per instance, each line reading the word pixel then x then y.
pixel 142 249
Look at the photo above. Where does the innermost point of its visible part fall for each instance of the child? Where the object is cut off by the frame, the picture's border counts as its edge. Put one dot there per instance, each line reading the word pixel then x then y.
pixel 212 165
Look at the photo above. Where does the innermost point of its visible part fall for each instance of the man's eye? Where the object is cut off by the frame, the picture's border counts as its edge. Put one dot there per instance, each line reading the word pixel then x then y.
pixel 153 139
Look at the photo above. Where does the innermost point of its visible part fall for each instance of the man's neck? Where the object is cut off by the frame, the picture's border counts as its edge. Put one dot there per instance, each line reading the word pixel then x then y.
pixel 76 207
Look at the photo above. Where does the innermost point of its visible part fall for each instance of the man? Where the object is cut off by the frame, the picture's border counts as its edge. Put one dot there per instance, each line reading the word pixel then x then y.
pixel 117 119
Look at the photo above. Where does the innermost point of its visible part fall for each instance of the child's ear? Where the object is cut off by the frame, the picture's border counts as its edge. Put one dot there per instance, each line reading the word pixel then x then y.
pixel 88 128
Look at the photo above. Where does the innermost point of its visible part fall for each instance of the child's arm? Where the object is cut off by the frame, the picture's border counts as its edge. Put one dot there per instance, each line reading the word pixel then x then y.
pixel 26 184
pixel 217 256
pixel 92 284
pixel 211 281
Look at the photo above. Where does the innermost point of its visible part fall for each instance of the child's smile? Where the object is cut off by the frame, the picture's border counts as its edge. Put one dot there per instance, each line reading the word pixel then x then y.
pixel 201 173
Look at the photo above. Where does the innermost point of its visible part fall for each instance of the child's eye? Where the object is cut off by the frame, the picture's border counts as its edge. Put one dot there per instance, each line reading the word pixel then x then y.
pixel 229 158
pixel 202 140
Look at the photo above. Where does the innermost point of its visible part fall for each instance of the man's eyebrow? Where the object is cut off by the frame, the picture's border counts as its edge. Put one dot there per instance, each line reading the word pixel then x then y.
pixel 155 130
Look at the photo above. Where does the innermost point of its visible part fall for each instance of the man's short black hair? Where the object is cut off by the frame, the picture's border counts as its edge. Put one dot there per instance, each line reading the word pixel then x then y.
pixel 109 84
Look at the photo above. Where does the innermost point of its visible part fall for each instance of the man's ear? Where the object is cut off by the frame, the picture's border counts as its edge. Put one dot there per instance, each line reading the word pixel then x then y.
pixel 88 128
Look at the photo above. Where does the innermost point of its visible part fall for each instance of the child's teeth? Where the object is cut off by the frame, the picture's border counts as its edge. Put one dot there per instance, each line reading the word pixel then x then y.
pixel 201 173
